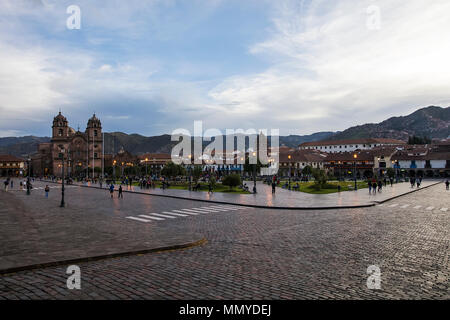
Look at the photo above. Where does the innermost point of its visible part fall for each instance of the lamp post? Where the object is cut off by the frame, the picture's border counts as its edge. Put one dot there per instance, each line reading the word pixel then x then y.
pixel 146 160
pixel 254 173
pixel 289 158
pixel 29 172
pixel 62 188
pixel 114 170
pixel 355 156
pixel 190 172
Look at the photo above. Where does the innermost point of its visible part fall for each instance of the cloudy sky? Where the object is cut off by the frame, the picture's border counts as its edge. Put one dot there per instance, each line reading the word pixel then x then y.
pixel 150 67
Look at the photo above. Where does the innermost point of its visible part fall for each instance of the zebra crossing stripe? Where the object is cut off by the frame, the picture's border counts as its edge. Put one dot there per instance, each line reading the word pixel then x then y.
pixel 161 215
pixel 188 211
pixel 444 209
pixel 148 217
pixel 429 208
pixel 405 206
pixel 381 205
pixel 417 207
pixel 137 219
pixel 393 205
pixel 175 214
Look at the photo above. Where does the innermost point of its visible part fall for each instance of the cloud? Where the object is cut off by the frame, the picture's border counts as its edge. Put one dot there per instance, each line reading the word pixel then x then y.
pixel 322 69
pixel 330 69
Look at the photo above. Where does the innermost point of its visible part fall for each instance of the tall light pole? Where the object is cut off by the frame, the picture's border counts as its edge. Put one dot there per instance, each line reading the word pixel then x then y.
pixel 62 187
pixel 355 156
pixel 289 157
pixel 29 172
pixel 146 159
pixel 114 170
pixel 254 173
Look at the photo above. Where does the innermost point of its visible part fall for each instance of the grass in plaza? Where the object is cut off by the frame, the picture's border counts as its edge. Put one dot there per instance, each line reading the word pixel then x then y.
pixel 331 186
pixel 203 187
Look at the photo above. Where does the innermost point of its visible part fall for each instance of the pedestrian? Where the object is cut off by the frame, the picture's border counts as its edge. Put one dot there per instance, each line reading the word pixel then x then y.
pixel 418 183
pixel 101 183
pixel 12 184
pixel 6 183
pixel 273 187
pixel 391 180
pixel 374 187
pixel 111 190
pixel 120 192
pixel 380 186
pixel 47 190
pixel 447 183
pixel 370 187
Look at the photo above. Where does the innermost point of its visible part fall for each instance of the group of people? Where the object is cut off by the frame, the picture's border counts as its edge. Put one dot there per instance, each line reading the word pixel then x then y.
pixel 415 181
pixel 111 191
pixel 375 186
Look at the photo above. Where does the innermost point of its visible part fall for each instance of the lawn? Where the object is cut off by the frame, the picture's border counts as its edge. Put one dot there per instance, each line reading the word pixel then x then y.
pixel 203 187
pixel 332 186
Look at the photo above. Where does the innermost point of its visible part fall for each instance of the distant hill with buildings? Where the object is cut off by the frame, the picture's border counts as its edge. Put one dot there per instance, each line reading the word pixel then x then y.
pixel 432 122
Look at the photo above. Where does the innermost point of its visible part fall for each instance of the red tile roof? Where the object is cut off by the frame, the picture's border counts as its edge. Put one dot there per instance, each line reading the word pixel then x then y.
pixel 353 141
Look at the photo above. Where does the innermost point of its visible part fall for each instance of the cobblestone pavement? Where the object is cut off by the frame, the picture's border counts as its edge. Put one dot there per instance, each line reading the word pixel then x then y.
pixel 286 198
pixel 273 254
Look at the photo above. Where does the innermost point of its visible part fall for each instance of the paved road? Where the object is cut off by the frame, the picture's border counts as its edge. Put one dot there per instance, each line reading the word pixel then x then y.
pixel 263 253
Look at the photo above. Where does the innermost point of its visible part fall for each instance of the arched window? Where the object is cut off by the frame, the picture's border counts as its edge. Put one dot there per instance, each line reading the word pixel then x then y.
pixel 60 132
pixel 95 133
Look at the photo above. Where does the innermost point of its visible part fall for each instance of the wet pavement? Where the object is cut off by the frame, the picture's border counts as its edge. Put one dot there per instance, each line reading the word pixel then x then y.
pixel 286 198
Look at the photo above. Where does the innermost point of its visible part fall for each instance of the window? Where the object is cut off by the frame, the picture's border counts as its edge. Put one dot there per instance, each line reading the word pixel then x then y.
pixel 95 155
pixel 60 132
pixel 95 133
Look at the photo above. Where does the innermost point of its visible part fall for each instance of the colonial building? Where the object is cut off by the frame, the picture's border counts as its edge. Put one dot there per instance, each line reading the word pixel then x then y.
pixel 350 145
pixel 12 166
pixel 80 151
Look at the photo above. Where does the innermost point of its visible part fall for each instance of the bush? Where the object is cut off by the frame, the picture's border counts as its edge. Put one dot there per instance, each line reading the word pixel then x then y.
pixel 232 180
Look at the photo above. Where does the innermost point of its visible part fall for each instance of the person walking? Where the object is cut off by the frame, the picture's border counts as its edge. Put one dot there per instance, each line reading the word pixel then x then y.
pixel 418 183
pixel 120 192
pixel 12 184
pixel 47 190
pixel 370 186
pixel 374 187
pixel 111 190
pixel 273 187
pixel 447 184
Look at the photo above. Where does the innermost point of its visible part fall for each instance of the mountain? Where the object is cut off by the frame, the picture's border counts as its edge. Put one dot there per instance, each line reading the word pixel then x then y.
pixel 432 122
pixel 21 146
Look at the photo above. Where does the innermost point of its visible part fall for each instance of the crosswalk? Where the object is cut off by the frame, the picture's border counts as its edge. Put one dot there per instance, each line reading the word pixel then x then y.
pixel 184 213
pixel 417 207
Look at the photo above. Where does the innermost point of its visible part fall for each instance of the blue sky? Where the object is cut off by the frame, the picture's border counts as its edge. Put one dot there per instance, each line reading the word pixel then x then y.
pixel 150 67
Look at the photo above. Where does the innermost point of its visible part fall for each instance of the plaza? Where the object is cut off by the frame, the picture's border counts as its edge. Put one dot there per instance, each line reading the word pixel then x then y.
pixel 231 251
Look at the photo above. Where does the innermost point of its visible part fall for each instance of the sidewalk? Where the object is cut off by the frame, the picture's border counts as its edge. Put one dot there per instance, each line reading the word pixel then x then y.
pixel 285 199
pixel 52 235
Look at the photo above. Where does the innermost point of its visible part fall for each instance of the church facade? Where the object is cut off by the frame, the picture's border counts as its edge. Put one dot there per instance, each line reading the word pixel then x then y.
pixel 80 151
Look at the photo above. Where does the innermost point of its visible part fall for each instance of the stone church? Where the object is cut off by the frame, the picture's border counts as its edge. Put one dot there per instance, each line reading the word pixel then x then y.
pixel 81 151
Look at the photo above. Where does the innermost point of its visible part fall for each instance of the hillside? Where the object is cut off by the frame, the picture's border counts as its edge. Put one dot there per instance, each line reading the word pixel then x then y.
pixel 432 122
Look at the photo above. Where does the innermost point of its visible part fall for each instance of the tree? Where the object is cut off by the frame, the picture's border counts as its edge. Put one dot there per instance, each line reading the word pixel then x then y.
pixel 232 180
pixel 196 173
pixel 419 140
pixel 172 170
pixel 308 170
pixel 390 172
pixel 320 178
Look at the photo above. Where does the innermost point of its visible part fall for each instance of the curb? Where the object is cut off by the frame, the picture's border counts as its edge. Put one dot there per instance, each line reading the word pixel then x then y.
pixel 102 257
pixel 409 192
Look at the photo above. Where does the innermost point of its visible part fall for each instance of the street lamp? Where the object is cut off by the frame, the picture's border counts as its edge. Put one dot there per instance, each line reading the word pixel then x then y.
pixel 190 172
pixel 146 160
pixel 289 157
pixel 355 156
pixel 29 172
pixel 254 173
pixel 62 188
pixel 114 170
